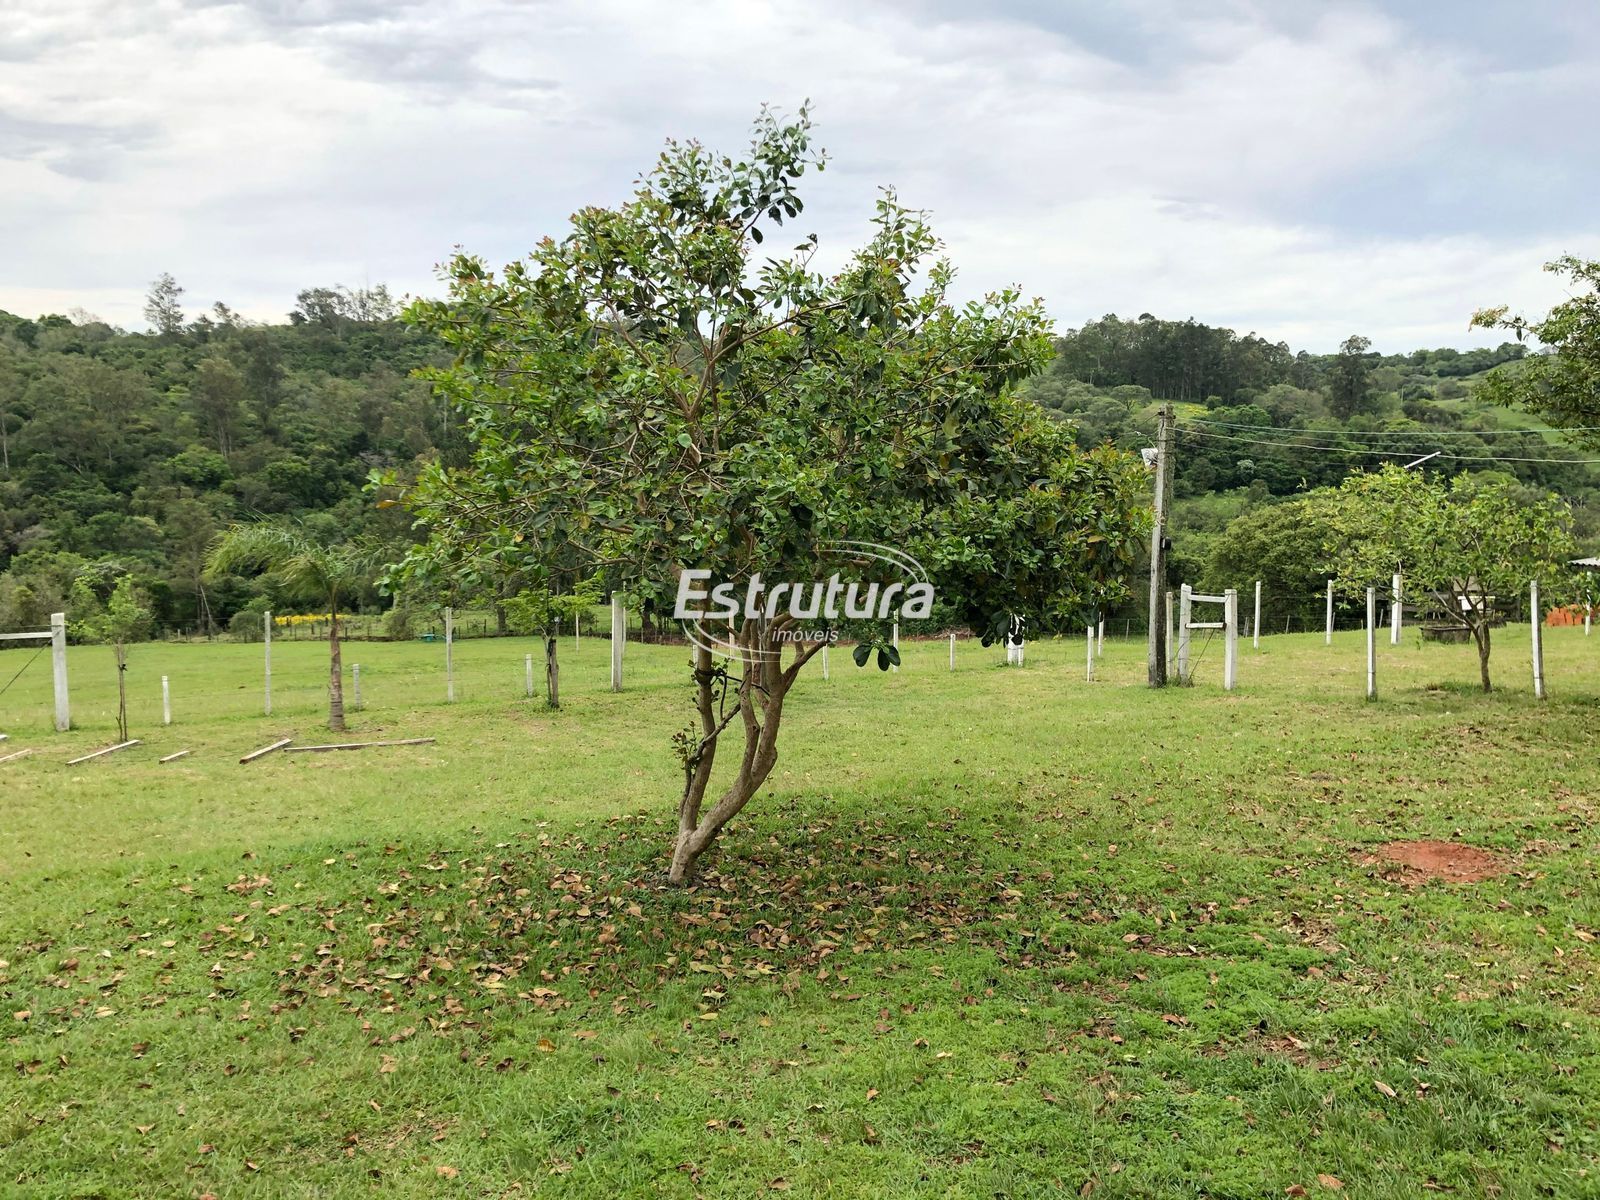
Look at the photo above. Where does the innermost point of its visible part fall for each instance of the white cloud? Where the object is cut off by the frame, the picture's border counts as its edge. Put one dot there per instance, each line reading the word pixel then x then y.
pixel 1231 163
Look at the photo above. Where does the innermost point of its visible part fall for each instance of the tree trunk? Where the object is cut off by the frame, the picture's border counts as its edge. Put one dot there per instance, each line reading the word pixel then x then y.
pixel 335 675
pixel 759 707
pixel 1480 634
pixel 552 675
pixel 501 629
pixel 122 692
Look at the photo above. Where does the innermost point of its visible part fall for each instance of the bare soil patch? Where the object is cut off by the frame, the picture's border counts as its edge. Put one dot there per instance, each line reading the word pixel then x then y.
pixel 1451 862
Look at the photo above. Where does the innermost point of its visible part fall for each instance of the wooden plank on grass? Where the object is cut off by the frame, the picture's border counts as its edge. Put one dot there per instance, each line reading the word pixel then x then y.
pixel 16 754
pixel 265 750
pixel 102 753
pixel 358 745
pixel 174 757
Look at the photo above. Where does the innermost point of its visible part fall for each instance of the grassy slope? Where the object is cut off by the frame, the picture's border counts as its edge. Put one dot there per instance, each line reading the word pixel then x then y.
pixel 989 934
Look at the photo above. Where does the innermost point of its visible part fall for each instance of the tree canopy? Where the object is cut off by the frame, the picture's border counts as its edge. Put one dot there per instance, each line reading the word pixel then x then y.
pixel 1562 386
pixel 661 391
pixel 1473 543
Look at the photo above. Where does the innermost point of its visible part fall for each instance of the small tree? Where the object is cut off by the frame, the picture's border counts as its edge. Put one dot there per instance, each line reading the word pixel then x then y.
pixel 1471 542
pixel 1562 387
pixel 539 611
pixel 1350 382
pixel 126 617
pixel 302 567
pixel 653 394
pixel 163 306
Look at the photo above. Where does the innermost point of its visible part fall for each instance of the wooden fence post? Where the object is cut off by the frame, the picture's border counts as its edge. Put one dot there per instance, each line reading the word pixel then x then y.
pixel 552 675
pixel 1537 617
pixel 1372 643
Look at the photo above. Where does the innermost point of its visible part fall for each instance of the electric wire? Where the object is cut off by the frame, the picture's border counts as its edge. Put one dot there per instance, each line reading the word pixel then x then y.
pixel 1363 451
pixel 25 666
pixel 1398 433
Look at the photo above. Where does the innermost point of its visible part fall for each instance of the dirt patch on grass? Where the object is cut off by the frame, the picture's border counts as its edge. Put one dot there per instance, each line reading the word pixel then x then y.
pixel 1420 861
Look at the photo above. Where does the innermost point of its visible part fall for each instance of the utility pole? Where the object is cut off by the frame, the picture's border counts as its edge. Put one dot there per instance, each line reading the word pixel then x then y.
pixel 1157 641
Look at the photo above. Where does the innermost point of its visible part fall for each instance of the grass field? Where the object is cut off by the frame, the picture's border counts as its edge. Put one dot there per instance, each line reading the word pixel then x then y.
pixel 993 933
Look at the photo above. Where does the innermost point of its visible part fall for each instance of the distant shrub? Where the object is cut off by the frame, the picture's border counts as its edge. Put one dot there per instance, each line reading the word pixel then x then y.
pixel 245 626
pixel 397 623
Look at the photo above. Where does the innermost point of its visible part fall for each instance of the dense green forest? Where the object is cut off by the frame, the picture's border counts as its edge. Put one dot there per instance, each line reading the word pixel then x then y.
pixel 123 454
pixel 1260 427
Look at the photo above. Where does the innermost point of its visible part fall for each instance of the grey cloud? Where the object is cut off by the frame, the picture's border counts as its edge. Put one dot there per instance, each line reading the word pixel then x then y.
pixel 1300 168
pixel 72 148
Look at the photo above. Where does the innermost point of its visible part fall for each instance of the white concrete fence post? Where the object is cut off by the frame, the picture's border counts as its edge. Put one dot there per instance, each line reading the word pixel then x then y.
pixel 1327 638
pixel 449 656
pixel 266 636
pixel 824 660
pixel 1230 639
pixel 58 666
pixel 1255 629
pixel 952 652
pixel 1372 643
pixel 355 683
pixel 1185 608
pixel 1100 638
pixel 166 702
pixel 1089 641
pixel 1536 616
pixel 1394 613
pixel 527 675
pixel 894 640
pixel 619 634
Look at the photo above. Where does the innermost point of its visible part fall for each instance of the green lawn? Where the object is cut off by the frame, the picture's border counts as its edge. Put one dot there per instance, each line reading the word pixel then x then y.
pixel 993 933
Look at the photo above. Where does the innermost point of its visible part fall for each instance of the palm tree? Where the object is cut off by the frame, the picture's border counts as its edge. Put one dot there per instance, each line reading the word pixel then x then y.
pixel 305 567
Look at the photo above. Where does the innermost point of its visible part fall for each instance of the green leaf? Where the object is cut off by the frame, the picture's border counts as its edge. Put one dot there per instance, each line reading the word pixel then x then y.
pixel 861 653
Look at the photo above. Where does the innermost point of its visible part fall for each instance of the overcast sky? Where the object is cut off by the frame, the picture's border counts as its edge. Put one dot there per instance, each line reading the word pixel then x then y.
pixel 1302 170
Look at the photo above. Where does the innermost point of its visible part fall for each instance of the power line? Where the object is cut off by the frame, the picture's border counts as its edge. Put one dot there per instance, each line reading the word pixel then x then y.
pixel 1395 433
pixel 1373 451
